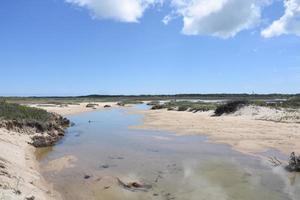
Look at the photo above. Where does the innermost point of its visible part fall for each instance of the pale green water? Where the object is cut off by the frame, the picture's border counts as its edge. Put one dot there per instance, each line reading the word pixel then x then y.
pixel 181 168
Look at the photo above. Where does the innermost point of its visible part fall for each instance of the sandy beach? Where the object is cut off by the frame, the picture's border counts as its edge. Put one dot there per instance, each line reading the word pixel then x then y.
pixel 20 177
pixel 73 109
pixel 247 133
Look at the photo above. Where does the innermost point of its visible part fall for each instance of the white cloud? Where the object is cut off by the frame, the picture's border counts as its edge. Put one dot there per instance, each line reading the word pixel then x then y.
pixel 289 23
pixel 120 10
pixel 167 19
pixel 220 18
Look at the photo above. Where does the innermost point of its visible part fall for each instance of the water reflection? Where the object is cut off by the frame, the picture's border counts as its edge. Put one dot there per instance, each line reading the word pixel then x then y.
pixel 96 155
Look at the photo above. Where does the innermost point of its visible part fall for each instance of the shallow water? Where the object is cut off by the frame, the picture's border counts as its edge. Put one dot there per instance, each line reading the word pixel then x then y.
pixel 184 168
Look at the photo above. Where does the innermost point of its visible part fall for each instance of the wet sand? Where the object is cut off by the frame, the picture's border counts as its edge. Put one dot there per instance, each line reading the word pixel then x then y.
pixel 244 133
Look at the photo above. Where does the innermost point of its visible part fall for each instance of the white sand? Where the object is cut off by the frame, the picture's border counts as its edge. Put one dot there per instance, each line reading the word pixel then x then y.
pixel 244 132
pixel 74 109
pixel 21 170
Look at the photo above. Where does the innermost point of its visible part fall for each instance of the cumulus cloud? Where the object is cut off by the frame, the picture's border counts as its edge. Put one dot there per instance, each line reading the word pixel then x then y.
pixel 120 10
pixel 221 18
pixel 289 23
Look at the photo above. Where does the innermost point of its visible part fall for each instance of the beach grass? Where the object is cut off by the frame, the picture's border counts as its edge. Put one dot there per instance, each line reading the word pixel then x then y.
pixel 191 106
pixel 12 111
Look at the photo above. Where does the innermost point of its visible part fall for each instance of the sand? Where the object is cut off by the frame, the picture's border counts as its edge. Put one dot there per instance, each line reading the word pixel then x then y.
pixel 247 133
pixel 60 164
pixel 73 109
pixel 19 171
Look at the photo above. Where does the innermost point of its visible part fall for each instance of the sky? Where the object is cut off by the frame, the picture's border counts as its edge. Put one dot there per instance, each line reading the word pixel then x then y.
pixel 79 47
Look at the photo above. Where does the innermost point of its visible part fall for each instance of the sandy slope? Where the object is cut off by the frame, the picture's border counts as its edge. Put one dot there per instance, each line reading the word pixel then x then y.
pixel 19 170
pixel 244 132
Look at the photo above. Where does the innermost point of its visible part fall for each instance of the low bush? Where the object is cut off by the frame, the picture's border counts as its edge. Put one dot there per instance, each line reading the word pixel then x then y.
pixel 230 107
pixel 153 103
pixel 185 106
pixel 202 107
pixel 19 116
pixel 157 107
pixel 92 105
pixel 11 111
pixel 126 102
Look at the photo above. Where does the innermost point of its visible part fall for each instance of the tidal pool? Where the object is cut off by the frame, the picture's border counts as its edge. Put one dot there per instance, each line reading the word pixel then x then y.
pixel 100 151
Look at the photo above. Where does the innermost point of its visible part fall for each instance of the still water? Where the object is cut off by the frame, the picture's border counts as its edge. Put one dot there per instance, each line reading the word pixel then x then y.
pixel 100 151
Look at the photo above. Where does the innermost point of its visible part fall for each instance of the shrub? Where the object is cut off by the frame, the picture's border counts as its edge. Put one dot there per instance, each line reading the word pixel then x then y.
pixel 10 111
pixel 293 102
pixel 230 107
pixel 183 108
pixel 126 102
pixel 202 107
pixel 92 105
pixel 153 103
pixel 19 116
pixel 157 107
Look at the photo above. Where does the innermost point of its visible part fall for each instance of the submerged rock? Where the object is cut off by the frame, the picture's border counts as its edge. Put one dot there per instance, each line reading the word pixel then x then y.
pixel 134 186
pixel 294 163
pixel 121 104
pixel 105 166
pixel 87 176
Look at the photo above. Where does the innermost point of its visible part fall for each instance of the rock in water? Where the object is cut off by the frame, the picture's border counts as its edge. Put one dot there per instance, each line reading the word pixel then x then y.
pixel 294 163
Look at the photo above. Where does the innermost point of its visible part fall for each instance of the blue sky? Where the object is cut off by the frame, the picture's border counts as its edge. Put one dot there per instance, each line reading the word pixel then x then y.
pixel 71 47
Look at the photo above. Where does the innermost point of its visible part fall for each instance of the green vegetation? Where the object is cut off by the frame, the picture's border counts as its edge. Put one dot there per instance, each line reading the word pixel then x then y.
pixel 152 103
pixel 11 111
pixel 128 102
pixel 270 100
pixel 293 103
pixel 17 117
pixel 92 105
pixel 230 107
pixel 119 98
pixel 185 106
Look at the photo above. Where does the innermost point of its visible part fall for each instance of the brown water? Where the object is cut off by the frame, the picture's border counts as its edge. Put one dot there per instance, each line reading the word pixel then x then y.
pixel 181 168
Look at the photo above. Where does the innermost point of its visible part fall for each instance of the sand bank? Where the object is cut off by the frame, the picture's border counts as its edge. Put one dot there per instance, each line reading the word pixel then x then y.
pixel 19 171
pixel 244 132
pixel 73 109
